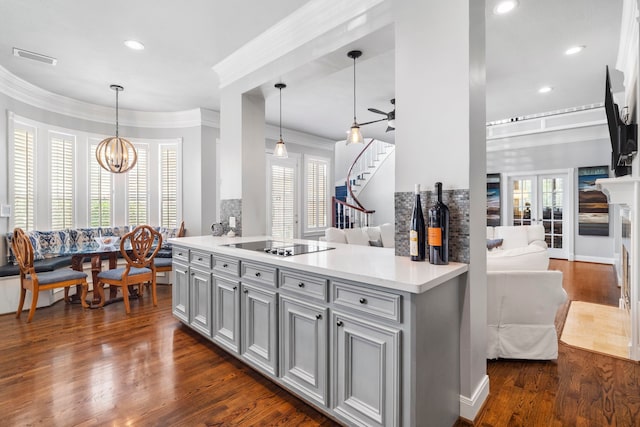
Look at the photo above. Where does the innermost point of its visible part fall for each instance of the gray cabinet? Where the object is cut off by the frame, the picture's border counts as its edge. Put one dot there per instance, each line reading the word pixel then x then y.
pixel 304 348
pixel 200 301
pixel 259 327
pixel 366 371
pixel 226 317
pixel 180 291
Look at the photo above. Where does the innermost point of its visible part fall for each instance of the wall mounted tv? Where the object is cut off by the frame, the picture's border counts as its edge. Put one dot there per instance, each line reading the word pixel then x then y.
pixel 624 136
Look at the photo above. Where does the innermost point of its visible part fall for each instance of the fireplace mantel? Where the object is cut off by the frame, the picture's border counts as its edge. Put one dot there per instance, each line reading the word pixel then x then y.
pixel 625 191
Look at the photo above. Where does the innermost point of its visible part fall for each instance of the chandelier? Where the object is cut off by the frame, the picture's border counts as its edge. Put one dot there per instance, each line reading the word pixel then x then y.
pixel 116 154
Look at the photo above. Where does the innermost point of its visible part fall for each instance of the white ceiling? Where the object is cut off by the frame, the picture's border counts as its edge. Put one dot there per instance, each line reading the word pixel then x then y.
pixel 525 50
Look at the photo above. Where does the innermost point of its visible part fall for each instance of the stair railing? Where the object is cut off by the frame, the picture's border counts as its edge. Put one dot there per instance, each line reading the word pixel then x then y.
pixel 362 162
pixel 346 215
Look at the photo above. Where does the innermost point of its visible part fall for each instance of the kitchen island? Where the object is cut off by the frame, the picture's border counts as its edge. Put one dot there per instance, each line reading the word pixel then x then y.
pixel 364 336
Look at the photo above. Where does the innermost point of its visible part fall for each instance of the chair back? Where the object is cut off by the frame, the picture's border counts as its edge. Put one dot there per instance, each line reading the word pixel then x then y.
pixel 140 246
pixel 23 251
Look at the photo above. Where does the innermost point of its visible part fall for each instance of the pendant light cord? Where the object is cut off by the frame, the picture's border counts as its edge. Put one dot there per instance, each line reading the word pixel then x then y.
pixel 117 113
pixel 354 89
pixel 280 113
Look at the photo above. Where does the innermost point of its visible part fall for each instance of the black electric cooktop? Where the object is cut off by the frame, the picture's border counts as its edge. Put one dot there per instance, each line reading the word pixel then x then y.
pixel 279 248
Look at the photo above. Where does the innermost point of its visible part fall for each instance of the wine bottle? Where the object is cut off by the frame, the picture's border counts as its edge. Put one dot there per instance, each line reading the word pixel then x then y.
pixel 438 230
pixel 417 247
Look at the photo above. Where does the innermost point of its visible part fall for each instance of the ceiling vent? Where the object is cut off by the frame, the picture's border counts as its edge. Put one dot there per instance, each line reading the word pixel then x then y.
pixel 35 56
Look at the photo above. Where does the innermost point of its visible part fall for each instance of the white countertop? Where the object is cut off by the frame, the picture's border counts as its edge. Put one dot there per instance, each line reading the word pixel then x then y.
pixel 373 265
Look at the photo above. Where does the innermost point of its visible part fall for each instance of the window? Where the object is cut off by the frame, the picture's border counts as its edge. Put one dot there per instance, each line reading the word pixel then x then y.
pixel 100 183
pixel 138 189
pixel 61 180
pixel 283 202
pixel 316 174
pixel 23 178
pixel 168 186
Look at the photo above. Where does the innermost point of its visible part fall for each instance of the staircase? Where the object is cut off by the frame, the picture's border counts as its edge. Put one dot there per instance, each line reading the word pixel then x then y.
pixel 348 212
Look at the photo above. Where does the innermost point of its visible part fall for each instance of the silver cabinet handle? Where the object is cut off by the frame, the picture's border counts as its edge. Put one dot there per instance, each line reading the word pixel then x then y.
pixel 363 301
pixel 199 258
pixel 235 287
pixel 339 323
pixel 193 274
pixel 318 316
pixel 186 271
pixel 301 285
pixel 225 265
pixel 246 291
pixel 258 274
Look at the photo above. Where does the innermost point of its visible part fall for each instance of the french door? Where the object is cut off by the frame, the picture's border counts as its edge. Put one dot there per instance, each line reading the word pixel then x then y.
pixel 542 199
pixel 282 196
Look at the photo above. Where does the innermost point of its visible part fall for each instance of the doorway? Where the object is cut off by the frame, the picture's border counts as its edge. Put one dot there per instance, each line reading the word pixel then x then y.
pixel 543 199
pixel 282 197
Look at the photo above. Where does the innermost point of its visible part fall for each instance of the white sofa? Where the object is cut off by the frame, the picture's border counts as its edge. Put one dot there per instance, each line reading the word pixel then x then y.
pixel 382 235
pixel 523 297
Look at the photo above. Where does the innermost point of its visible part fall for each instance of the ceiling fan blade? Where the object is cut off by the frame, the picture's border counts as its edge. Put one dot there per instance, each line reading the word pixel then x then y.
pixel 375 110
pixel 374 121
pixel 389 128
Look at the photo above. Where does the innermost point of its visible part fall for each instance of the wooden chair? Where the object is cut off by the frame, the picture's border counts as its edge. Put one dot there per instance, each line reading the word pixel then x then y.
pixel 139 248
pixel 36 282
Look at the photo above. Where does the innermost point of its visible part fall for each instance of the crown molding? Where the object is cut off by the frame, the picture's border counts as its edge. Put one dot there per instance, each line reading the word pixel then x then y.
pixel 310 22
pixel 300 138
pixel 23 91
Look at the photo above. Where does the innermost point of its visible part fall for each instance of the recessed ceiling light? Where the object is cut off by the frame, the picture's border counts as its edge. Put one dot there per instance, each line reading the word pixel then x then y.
pixel 545 89
pixel 134 44
pixel 573 50
pixel 505 7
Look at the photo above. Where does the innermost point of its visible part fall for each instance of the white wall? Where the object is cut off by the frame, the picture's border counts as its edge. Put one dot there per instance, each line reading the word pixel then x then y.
pixel 564 149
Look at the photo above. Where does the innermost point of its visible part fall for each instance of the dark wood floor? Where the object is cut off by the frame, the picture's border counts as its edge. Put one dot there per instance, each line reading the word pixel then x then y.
pixel 101 367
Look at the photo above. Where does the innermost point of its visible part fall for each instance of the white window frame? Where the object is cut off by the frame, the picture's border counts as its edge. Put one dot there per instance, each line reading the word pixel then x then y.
pixel 177 144
pixel 74 170
pixel 18 123
pixel 294 162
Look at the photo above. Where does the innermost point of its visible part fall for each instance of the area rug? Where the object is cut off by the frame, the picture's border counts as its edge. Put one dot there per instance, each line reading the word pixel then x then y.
pixel 598 328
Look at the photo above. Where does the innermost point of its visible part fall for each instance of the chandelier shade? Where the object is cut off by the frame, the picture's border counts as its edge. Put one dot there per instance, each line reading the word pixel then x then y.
pixel 280 149
pixel 115 154
pixel 354 134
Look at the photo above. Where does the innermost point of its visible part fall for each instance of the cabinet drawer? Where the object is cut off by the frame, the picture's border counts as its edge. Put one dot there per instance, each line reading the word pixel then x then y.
pixel 258 273
pixel 308 286
pixel 380 304
pixel 199 258
pixel 180 254
pixel 225 265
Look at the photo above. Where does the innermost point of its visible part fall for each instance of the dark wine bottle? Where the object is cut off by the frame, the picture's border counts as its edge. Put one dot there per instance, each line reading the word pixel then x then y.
pixel 438 230
pixel 417 243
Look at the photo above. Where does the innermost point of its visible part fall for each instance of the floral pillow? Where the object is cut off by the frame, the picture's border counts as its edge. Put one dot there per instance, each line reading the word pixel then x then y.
pixel 35 242
pixel 54 243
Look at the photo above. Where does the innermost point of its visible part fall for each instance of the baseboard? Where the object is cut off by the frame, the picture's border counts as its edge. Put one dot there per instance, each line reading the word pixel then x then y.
pixel 470 407
pixel 596 259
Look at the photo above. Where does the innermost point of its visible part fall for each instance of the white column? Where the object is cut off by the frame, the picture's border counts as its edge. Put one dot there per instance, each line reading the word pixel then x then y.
pixel 440 136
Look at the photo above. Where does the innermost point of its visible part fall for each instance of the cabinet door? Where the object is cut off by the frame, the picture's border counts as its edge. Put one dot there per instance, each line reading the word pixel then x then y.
pixel 304 348
pixel 226 313
pixel 200 308
pixel 366 371
pixel 180 292
pixel 259 328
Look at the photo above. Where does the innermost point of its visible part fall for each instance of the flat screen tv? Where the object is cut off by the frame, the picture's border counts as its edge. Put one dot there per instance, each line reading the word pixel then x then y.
pixel 624 136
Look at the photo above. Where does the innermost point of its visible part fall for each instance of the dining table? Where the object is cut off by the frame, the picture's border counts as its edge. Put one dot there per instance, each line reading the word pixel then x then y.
pixel 97 253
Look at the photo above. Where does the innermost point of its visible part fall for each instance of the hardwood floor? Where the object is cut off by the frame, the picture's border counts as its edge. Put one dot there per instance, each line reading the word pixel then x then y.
pixel 102 367
pixel 581 388
pixel 99 367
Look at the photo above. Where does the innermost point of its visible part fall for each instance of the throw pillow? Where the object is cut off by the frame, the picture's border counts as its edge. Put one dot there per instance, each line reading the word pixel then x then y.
pixel 494 243
pixel 356 236
pixel 376 243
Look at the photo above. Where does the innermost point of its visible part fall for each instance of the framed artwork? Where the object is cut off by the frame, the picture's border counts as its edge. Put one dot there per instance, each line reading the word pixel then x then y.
pixel 593 206
pixel 493 199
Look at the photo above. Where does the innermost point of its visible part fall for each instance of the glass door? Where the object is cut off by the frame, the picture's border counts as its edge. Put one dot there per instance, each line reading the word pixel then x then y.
pixel 540 199
pixel 282 221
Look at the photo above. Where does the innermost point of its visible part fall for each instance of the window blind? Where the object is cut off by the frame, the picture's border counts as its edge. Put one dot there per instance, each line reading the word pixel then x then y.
pixel 316 193
pixel 61 180
pixel 138 189
pixel 100 182
pixel 169 187
pixel 23 179
pixel 282 202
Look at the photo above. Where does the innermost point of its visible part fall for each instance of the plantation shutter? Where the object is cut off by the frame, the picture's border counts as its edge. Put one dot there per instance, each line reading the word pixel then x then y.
pixel 316 194
pixel 138 190
pixel 61 180
pixel 100 181
pixel 23 179
pixel 282 202
pixel 169 187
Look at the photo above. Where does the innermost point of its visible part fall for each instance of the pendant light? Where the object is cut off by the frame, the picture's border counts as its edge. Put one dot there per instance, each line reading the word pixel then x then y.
pixel 116 154
pixel 280 150
pixel 355 136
